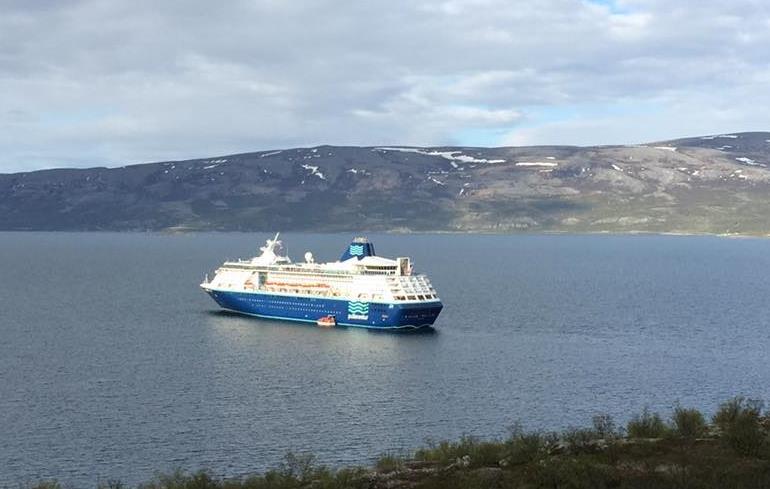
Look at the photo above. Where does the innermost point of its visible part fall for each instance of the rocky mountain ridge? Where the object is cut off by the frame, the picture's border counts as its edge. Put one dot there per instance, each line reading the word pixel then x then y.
pixel 711 184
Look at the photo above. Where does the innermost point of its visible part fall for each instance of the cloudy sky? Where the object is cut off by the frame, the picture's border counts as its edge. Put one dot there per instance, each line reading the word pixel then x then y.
pixel 107 82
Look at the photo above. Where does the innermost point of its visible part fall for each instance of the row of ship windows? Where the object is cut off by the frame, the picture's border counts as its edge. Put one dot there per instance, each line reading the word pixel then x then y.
pixel 283 270
pixel 317 293
pixel 288 304
pixel 304 307
pixel 320 293
pixel 308 278
pixel 406 297
pixel 411 286
pixel 415 297
pixel 417 315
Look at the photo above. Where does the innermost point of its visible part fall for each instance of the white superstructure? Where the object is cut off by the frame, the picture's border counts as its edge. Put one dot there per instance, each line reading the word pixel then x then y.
pixel 358 278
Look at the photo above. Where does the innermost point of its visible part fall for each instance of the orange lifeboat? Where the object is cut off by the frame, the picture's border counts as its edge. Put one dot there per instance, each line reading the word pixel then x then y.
pixel 327 321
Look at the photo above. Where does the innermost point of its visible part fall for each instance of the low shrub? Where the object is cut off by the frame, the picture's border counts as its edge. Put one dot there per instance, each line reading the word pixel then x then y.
pixel 389 462
pixel 647 425
pixel 580 440
pixel 739 419
pixel 181 480
pixel 112 484
pixel 442 452
pixel 745 436
pixel 488 454
pixel 46 485
pixel 604 426
pixel 349 478
pixel 735 408
pixel 575 473
pixel 298 466
pixel 688 423
pixel 480 453
pixel 523 447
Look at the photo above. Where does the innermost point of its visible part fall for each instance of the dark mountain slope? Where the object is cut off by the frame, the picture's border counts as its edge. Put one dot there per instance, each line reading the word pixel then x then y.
pixel 711 184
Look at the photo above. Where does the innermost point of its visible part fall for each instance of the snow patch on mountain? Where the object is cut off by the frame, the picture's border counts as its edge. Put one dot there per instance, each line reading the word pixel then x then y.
pixel 729 136
pixel 452 156
pixel 550 164
pixel 748 161
pixel 314 171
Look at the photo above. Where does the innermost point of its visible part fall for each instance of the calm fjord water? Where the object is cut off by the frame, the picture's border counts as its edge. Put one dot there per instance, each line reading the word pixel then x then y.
pixel 114 365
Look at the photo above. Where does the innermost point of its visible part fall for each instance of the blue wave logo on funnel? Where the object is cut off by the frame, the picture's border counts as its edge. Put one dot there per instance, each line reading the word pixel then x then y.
pixel 356 250
pixel 358 310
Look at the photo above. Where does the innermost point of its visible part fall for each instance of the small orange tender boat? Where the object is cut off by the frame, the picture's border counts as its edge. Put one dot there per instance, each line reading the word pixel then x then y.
pixel 327 321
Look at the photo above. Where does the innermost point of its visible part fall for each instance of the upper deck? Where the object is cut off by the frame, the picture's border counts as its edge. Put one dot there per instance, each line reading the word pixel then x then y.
pixel 332 268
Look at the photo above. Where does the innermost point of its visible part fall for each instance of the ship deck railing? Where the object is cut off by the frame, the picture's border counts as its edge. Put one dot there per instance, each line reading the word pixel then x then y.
pixel 245 265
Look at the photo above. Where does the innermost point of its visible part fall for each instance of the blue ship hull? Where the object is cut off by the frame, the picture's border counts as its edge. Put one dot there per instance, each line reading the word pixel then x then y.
pixel 373 315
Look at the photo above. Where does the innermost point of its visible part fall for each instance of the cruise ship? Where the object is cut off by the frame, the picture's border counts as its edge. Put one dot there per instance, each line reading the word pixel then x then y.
pixel 360 289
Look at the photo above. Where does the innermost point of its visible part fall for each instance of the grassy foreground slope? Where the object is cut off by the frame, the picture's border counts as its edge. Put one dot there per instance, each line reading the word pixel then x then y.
pixel 731 450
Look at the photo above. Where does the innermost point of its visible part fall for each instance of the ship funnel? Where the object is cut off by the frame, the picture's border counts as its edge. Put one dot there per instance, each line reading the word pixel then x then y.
pixel 359 248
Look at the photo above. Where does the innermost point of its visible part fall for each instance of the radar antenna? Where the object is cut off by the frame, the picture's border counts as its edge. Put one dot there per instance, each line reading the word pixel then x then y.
pixel 271 244
pixel 272 252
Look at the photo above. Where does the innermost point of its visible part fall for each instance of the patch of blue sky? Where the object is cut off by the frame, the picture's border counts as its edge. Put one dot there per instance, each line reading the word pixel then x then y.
pixel 538 116
pixel 612 5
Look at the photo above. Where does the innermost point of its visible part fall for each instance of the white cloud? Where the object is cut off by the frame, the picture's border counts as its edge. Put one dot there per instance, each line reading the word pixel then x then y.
pixel 88 82
pixel 674 116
